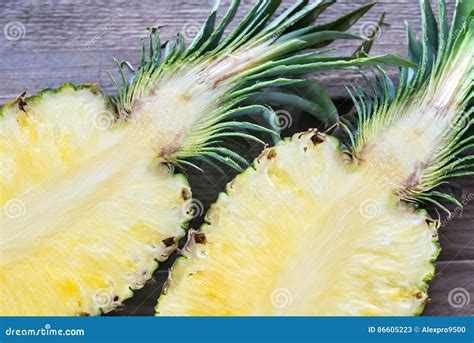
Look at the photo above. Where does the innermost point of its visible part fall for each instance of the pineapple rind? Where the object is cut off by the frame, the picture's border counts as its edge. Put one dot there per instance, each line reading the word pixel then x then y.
pixel 94 88
pixel 190 292
pixel 85 270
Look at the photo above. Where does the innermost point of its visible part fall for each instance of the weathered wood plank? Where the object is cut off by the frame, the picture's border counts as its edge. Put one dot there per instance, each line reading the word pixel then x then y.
pixel 456 234
pixel 81 37
pixel 452 290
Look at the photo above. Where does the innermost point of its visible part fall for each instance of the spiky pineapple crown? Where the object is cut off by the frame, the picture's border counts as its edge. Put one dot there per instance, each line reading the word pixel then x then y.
pixel 427 119
pixel 193 98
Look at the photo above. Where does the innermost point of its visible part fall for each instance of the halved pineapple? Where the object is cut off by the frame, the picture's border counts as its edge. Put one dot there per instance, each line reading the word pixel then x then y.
pixel 306 233
pixel 87 211
pixel 89 205
pixel 318 227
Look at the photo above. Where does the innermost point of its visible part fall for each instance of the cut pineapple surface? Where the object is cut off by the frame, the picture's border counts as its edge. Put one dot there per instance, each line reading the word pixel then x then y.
pixel 85 206
pixel 322 228
pixel 306 233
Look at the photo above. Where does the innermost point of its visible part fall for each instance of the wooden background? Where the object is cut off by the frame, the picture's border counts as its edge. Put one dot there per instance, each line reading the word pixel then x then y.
pixel 46 43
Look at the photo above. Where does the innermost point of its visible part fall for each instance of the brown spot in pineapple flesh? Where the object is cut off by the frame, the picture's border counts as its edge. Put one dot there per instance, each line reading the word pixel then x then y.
pixel 186 194
pixel 422 297
pixel 168 150
pixel 200 238
pixel 413 179
pixel 433 224
pixel 365 149
pixel 139 103
pixel 168 241
pixel 171 245
pixel 184 97
pixel 317 138
pixel 271 154
pixel 194 237
pixel 151 122
pixel 172 148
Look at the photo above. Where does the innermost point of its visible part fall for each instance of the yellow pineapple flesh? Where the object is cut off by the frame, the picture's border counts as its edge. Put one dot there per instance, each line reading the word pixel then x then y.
pixel 85 206
pixel 306 232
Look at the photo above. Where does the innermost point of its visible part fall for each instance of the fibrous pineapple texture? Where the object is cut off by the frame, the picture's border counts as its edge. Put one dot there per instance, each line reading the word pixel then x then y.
pixel 291 240
pixel 318 227
pixel 86 206
pixel 90 205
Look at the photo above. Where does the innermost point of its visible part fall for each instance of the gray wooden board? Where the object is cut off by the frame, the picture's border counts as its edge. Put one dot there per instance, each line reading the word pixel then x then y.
pixel 74 41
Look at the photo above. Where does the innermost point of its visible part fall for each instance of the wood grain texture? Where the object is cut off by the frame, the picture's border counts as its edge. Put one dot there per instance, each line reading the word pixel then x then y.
pixel 69 40
pixel 74 41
